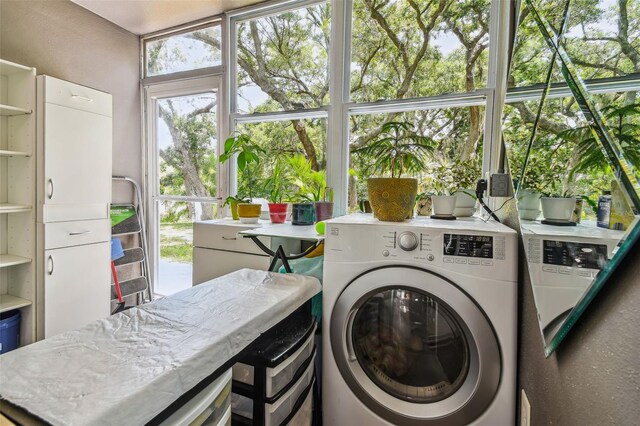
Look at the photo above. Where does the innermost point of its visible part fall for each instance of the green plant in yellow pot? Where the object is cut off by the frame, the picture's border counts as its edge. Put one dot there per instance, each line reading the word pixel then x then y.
pixel 399 149
pixel 246 152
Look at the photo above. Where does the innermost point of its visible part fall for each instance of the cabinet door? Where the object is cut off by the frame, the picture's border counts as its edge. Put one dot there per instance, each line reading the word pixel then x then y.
pixel 209 264
pixel 77 285
pixel 77 156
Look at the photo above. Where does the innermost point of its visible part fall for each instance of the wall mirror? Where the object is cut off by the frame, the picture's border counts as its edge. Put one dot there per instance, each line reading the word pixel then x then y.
pixel 571 127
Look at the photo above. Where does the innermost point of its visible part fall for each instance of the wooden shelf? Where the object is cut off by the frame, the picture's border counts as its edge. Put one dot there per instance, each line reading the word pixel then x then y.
pixel 11 260
pixel 8 110
pixel 13 208
pixel 9 302
pixel 5 153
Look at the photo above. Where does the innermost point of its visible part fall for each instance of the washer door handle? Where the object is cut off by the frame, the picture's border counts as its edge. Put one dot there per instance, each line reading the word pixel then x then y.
pixel 350 352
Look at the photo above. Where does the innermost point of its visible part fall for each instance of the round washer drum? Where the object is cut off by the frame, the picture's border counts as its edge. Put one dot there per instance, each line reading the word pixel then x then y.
pixel 415 348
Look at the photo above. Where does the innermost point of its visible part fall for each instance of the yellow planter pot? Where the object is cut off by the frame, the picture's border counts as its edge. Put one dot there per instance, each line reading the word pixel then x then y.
pixel 249 213
pixel 392 199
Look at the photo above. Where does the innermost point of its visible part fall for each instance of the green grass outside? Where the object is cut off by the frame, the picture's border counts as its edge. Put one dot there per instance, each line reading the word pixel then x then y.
pixel 175 248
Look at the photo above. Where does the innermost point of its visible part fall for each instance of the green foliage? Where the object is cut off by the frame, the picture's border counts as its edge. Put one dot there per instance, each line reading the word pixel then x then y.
pixel 310 183
pixel 276 186
pixel 398 149
pixel 247 153
pixel 446 177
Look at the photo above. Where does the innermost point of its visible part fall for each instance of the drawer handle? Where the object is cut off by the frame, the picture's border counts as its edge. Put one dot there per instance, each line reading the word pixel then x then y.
pixel 229 238
pixel 82 98
pixel 79 233
pixel 50 265
pixel 50 194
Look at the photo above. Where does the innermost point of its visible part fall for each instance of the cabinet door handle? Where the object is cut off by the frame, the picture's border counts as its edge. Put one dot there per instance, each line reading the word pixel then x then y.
pixel 82 98
pixel 50 265
pixel 50 195
pixel 229 238
pixel 79 232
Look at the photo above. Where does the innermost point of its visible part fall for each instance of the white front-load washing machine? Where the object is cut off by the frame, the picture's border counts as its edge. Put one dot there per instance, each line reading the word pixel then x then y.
pixel 419 322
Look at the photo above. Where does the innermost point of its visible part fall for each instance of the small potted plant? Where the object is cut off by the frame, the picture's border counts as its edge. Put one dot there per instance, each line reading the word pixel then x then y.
pixel 528 204
pixel 324 208
pixel 246 152
pixel 277 192
pixel 311 189
pixel 232 202
pixel 558 207
pixel 440 185
pixel 465 174
pixel 399 149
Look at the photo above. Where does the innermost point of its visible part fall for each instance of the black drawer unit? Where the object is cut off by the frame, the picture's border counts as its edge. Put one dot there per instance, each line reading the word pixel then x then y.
pixel 276 378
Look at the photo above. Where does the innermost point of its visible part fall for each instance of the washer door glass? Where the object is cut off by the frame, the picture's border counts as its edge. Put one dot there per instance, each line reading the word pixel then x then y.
pixel 410 345
pixel 414 348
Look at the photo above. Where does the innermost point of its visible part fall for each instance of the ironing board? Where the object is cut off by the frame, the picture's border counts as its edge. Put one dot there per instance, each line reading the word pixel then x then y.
pixel 128 368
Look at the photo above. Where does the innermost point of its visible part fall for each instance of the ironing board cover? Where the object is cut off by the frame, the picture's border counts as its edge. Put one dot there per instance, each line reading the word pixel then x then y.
pixel 127 368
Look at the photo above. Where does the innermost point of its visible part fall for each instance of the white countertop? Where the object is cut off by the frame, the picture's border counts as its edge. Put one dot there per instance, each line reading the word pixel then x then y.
pixel 285 230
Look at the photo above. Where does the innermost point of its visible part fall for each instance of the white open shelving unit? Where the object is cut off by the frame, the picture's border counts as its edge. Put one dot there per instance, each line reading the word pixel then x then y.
pixel 17 194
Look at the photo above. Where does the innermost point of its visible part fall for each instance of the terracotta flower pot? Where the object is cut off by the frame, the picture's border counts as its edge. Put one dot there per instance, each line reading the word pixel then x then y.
pixel 324 210
pixel 248 212
pixel 278 212
pixel 392 199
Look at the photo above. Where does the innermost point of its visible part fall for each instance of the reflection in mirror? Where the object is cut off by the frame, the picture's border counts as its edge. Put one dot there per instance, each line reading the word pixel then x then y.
pixel 576 180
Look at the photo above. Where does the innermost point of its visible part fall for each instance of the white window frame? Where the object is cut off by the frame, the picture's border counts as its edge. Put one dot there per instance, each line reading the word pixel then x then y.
pixel 341 107
pixel 176 84
pixel 152 94
pixel 174 31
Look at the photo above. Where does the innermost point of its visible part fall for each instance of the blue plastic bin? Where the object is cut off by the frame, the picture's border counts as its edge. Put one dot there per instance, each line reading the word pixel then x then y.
pixel 9 331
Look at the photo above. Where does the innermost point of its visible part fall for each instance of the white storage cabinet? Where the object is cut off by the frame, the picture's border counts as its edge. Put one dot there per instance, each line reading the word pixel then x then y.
pixel 74 143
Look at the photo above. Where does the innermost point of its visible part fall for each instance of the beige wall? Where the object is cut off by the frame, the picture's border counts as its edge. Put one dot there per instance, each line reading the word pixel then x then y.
pixel 61 39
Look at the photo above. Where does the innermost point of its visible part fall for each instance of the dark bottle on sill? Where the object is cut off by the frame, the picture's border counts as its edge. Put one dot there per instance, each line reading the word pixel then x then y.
pixel 604 209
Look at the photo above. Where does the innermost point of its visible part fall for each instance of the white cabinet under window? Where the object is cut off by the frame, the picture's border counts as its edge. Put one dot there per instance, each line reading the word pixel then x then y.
pixel 74 192
pixel 219 250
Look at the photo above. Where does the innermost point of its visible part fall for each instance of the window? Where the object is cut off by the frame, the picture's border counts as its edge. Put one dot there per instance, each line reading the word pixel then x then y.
pixel 283 60
pixel 186 51
pixel 447 142
pixel 602 40
pixel 184 177
pixel 415 48
pixel 282 91
pixel 423 63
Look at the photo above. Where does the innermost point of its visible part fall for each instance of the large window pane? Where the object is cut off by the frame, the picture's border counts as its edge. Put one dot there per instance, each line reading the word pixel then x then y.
pixel 414 48
pixel 285 141
pixel 603 38
pixel 187 140
pixel 565 157
pixel 183 52
pixel 283 60
pixel 452 156
pixel 175 264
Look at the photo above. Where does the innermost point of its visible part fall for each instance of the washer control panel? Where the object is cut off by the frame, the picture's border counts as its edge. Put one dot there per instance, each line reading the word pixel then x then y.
pixel 407 241
pixel 441 247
